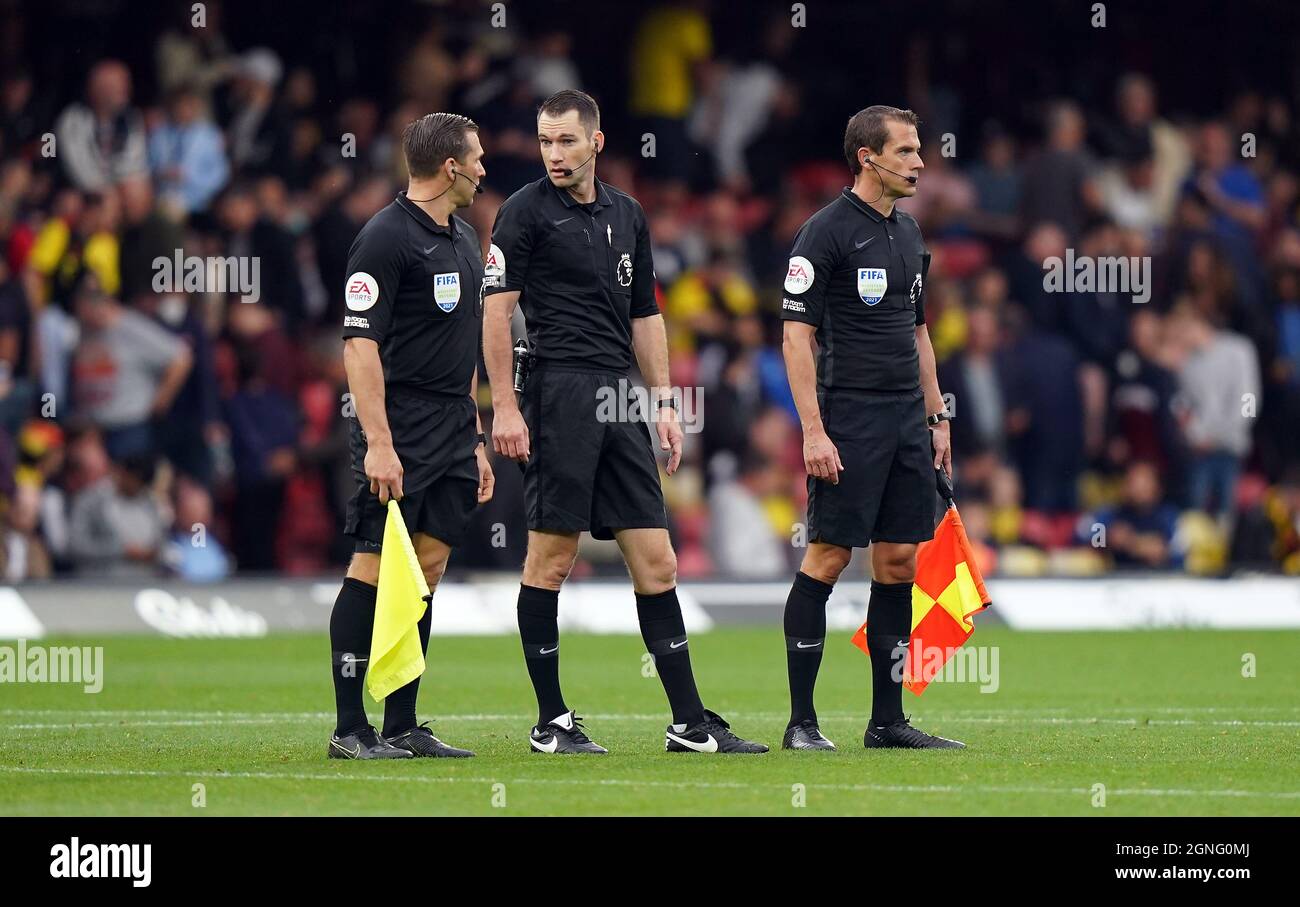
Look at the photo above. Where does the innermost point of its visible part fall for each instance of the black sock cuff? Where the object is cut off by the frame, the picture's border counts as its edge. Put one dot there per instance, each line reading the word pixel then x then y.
pixel 360 589
pixel 539 602
pixel 656 599
pixel 892 591
pixel 655 609
pixel 812 587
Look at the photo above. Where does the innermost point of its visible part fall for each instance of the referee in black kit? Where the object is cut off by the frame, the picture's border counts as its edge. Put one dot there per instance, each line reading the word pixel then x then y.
pixel 575 253
pixel 412 323
pixel 873 418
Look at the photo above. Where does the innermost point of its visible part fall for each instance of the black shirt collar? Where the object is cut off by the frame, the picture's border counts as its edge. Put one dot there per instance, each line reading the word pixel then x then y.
pixel 868 210
pixel 424 219
pixel 602 197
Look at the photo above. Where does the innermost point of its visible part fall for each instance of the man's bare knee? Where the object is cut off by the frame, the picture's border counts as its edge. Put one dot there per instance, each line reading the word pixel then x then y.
pixel 433 568
pixel 659 571
pixel 650 559
pixel 825 562
pixel 894 564
pixel 432 553
pixel 549 569
pixel 364 567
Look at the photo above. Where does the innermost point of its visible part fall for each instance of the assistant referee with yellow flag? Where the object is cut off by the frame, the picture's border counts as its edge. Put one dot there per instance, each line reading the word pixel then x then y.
pixel 411 330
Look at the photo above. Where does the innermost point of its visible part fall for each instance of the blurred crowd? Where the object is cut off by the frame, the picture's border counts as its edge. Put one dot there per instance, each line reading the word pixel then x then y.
pixel 149 427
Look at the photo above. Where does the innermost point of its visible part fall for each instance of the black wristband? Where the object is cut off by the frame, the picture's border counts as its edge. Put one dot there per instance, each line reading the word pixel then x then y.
pixel 482 439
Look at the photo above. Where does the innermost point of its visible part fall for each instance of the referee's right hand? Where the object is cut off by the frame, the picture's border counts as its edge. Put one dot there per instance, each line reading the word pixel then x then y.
pixel 510 434
pixel 384 471
pixel 820 457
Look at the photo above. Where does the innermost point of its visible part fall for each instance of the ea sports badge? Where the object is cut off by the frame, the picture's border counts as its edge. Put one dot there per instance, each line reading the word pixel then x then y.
pixel 362 291
pixel 446 290
pixel 799 275
pixel 872 284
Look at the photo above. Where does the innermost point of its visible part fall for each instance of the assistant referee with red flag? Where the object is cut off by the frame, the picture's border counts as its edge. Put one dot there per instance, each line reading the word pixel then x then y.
pixel 872 415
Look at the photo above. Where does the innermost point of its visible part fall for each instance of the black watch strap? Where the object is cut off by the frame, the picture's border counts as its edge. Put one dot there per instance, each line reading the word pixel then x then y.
pixel 482 439
pixel 936 418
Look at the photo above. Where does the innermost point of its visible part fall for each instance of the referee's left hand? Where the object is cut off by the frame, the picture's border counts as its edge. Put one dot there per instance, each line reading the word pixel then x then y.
pixel 670 437
pixel 941 441
pixel 486 480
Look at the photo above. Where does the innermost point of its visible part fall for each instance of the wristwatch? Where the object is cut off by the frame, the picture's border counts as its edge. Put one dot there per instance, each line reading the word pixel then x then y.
pixel 669 403
pixel 482 439
pixel 938 417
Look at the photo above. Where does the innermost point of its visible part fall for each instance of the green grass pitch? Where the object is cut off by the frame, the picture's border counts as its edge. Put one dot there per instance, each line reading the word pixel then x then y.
pixel 1163 719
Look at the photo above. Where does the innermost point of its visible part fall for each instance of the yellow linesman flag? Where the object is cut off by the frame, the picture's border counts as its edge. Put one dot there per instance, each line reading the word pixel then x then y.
pixel 396 657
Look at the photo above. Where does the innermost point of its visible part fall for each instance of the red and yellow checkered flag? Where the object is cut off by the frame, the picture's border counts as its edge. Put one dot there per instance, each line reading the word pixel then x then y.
pixel 948 590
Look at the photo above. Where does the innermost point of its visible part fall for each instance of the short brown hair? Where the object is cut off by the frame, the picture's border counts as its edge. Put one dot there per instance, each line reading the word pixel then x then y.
pixel 562 102
pixel 434 137
pixel 867 129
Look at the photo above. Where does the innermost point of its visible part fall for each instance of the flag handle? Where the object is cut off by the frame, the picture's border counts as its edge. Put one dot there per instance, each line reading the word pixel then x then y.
pixel 944 485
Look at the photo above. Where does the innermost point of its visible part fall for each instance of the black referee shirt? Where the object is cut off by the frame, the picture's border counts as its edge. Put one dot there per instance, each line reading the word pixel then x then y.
pixel 583 272
pixel 414 287
pixel 859 277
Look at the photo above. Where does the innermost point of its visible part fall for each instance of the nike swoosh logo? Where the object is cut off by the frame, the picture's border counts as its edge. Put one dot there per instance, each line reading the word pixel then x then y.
pixel 865 242
pixel 545 747
pixel 430 249
pixel 708 746
pixel 677 645
pixel 547 651
pixel 800 645
pixel 350 753
pixel 563 220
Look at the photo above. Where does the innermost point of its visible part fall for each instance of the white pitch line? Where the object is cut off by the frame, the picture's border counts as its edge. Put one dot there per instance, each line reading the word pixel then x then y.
pixel 254 718
pixel 635 782
pixel 1010 712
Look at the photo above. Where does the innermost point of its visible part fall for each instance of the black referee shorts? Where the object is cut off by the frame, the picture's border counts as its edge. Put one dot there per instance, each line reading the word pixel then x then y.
pixel 434 437
pixel 590 466
pixel 886 491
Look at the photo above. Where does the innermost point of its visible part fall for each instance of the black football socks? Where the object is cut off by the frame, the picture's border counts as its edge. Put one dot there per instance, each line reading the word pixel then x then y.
pixel 664 633
pixel 889 627
pixel 805 640
pixel 351 624
pixel 399 707
pixel 539 630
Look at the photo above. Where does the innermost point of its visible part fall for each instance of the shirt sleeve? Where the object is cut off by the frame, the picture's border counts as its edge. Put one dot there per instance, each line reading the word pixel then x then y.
pixel 920 298
pixel 644 303
pixel 506 267
pixel 374 275
pixel 807 275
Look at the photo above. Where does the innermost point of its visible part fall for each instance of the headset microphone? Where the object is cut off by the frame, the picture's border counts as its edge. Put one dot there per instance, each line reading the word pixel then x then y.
pixel 569 172
pixel 478 187
pixel 910 179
